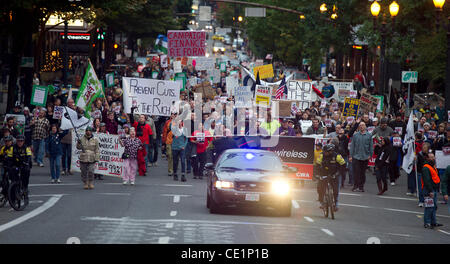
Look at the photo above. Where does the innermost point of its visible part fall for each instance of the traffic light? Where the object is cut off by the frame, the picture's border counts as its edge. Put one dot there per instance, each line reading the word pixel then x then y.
pixel 240 18
pixel 116 46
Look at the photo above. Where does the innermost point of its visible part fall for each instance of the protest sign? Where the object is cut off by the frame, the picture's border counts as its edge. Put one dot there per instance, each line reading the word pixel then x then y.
pixel 205 89
pixel 188 43
pixel 353 94
pixel 371 115
pixel 58 112
pixel 111 151
pixel 367 103
pixel 153 97
pixel 335 106
pixel 216 76
pixel 164 61
pixel 223 66
pixel 380 106
pixel 297 152
pixel 399 130
pixel 370 129
pixel 265 71
pixel 350 119
pixel 371 162
pixel 351 106
pixel 110 79
pixel 263 96
pixel 20 119
pixel 181 79
pixel 39 96
pixel 323 104
pixel 285 107
pixel 397 141
pixel 155 74
pixel 204 63
pixel 300 91
pixel 432 134
pixel 448 112
pixel 177 66
pixel 231 83
pixel 96 114
pixel 243 97
pixel 442 160
pixel 328 123
pixel 343 90
pixel 305 124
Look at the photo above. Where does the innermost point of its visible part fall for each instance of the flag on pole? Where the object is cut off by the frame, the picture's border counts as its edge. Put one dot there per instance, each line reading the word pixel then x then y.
pixel 409 146
pixel 161 44
pixel 257 82
pixel 282 89
pixel 70 119
pixel 91 89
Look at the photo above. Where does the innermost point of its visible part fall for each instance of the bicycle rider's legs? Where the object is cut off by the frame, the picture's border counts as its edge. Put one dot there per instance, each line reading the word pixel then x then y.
pixel 335 184
pixel 25 177
pixel 321 189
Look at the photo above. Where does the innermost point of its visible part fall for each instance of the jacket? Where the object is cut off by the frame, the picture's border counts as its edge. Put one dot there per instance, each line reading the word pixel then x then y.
pixel 166 130
pixel 90 149
pixel 428 184
pixel 383 155
pixel 53 143
pixel 67 139
pixel 445 181
pixel 21 157
pixel 152 125
pixel 361 147
pixel 145 130
pixel 311 131
pixel 179 142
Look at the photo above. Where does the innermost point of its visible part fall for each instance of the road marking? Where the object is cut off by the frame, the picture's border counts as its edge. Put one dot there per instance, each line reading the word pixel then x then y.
pixel 47 195
pixel 52 184
pixel 180 195
pixel 309 219
pixel 37 201
pixel 169 225
pixel 176 199
pixel 51 202
pixel 177 185
pixel 442 231
pixel 396 198
pixel 328 232
pixel 114 193
pixel 173 213
pixel 295 204
pixel 402 235
pixel 350 194
pixel 163 240
pixel 355 205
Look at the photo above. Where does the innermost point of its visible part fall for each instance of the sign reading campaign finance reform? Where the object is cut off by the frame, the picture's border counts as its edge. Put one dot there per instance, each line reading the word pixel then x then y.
pixel 152 97
pixel 187 43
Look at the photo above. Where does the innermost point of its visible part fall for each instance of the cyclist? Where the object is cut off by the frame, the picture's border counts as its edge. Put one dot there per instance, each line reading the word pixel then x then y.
pixel 329 163
pixel 22 163
pixel 6 158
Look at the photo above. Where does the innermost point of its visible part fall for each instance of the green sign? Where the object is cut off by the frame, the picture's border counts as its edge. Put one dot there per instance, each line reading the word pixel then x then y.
pixel 223 66
pixel 380 106
pixel 51 89
pixel 409 76
pixel 110 79
pixel 181 77
pixel 39 96
pixel 155 74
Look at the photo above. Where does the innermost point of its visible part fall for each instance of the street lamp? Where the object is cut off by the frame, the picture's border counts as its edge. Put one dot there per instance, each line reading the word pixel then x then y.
pixel 323 8
pixel 375 9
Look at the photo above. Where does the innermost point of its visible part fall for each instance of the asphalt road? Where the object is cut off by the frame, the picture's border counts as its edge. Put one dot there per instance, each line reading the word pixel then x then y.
pixel 160 210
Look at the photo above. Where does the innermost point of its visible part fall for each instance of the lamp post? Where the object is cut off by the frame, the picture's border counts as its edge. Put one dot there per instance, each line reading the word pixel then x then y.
pixel 375 9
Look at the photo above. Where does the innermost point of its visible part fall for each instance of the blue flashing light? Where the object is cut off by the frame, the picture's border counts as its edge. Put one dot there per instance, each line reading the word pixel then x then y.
pixel 249 156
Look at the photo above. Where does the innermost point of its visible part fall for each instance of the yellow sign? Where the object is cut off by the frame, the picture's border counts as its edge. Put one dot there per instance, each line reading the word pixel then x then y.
pixel 351 106
pixel 265 71
pixel 263 96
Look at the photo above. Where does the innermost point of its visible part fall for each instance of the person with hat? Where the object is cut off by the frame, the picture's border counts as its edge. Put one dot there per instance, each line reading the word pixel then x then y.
pixel 285 129
pixel 383 130
pixel 22 163
pixel 430 185
pixel 6 159
pixel 398 125
pixel 90 154
pixel 27 128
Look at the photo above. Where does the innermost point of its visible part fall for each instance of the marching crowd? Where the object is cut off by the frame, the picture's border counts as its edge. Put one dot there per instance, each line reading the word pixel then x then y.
pixel 192 146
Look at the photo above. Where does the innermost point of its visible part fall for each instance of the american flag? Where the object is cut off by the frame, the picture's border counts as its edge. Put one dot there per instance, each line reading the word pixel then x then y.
pixel 282 89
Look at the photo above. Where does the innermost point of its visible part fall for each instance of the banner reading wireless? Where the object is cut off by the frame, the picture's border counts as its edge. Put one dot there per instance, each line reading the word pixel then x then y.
pixel 183 43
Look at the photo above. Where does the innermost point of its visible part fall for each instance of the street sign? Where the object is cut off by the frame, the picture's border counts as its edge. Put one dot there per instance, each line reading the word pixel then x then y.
pixel 255 12
pixel 205 13
pixel 409 76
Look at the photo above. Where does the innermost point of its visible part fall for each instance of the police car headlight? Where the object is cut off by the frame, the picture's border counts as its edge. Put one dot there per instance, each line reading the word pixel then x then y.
pixel 216 49
pixel 224 185
pixel 281 187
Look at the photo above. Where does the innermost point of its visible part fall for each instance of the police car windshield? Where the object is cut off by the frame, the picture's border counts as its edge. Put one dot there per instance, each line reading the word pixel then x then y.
pixel 251 161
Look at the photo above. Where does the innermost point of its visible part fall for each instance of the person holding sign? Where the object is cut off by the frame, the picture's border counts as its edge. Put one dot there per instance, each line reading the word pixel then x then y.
pixel 132 145
pixel 90 154
pixel 54 151
pixel 430 185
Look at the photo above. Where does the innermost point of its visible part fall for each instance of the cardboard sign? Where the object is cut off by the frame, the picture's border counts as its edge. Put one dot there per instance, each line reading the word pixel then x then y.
pixel 263 96
pixel 432 134
pixel 153 97
pixel 111 151
pixel 351 107
pixel 39 96
pixel 205 89
pixel 397 141
pixel 204 63
pixel 300 91
pixel 177 66
pixel 243 97
pixel 399 130
pixel 58 112
pixel 265 71
pixel 181 43
pixel 367 103
pixel 370 129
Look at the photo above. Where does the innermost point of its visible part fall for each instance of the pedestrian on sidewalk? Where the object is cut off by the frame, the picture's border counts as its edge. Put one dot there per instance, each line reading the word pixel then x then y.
pixel 89 155
pixel 54 150
pixel 430 185
pixel 361 150
pixel 132 145
pixel 179 143
pixel 383 150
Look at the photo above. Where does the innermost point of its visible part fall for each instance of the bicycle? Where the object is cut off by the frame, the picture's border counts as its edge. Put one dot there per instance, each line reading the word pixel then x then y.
pixel 4 190
pixel 15 193
pixel 329 204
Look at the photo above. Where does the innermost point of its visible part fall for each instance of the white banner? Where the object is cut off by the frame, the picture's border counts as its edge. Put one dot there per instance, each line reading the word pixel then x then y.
pixel 300 91
pixel 110 163
pixel 204 63
pixel 442 160
pixel 409 146
pixel 152 97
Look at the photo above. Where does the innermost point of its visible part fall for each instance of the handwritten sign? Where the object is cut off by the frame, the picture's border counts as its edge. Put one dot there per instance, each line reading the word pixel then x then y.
pixel 58 112
pixel 351 106
pixel 367 103
pixel 39 96
pixel 263 96
pixel 153 97
pixel 265 71
pixel 397 141
pixel 243 96
pixel 300 91
pixel 399 130
pixel 182 43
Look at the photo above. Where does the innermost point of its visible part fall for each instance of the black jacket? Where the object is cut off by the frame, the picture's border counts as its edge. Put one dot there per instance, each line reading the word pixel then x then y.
pixel 384 154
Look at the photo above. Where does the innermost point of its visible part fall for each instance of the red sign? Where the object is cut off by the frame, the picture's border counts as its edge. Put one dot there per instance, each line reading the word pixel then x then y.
pixel 183 43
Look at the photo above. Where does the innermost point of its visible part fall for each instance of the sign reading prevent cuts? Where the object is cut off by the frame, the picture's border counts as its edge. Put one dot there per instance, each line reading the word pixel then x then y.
pixel 182 43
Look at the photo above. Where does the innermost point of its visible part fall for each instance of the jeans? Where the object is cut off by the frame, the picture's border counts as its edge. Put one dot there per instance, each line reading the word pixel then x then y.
pixel 381 173
pixel 153 151
pixel 66 156
pixel 359 173
pixel 419 182
pixel 39 150
pixel 55 166
pixel 412 182
pixel 147 149
pixel 429 216
pixel 350 172
pixel 199 164
pixel 179 154
pixel 188 155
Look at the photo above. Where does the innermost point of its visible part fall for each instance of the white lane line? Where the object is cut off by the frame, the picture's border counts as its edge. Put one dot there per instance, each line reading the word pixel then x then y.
pixel 295 204
pixel 53 184
pixel 169 225
pixel 47 195
pixel 396 198
pixel 177 185
pixel 163 240
pixel 355 205
pixel 350 194
pixel 328 232
pixel 176 199
pixel 173 213
pixel 51 202
pixel 309 219
pixel 37 201
pixel 442 231
pixel 402 235
pixel 114 193
pixel 180 195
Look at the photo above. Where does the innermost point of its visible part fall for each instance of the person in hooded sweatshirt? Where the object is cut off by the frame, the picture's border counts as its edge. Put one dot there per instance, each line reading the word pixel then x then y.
pixel 383 150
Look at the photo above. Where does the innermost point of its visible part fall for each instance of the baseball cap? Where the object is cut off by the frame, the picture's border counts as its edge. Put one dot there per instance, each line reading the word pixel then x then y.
pixel 426 124
pixel 375 119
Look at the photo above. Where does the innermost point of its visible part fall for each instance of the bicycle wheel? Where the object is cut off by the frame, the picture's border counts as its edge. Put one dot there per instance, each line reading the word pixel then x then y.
pixel 332 204
pixel 16 196
pixel 3 197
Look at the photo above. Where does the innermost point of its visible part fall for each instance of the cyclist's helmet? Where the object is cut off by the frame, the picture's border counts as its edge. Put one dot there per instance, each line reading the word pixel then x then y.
pixel 328 148
pixel 8 138
pixel 20 138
